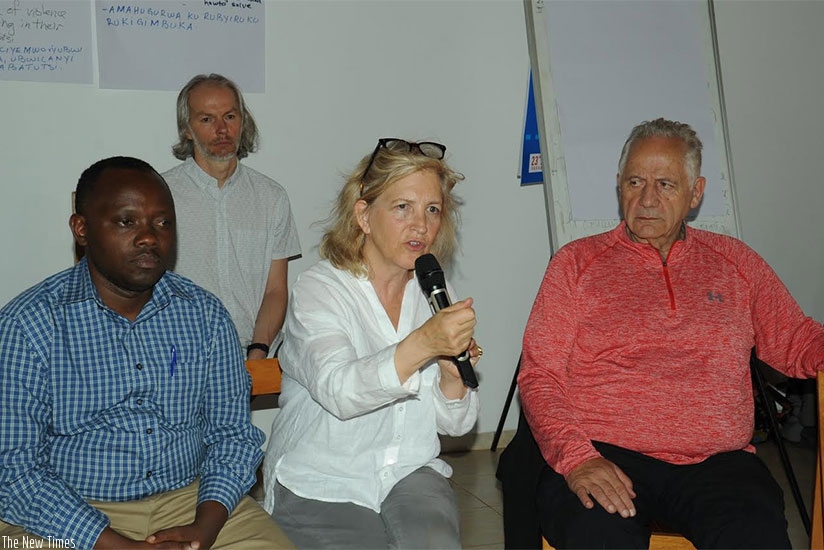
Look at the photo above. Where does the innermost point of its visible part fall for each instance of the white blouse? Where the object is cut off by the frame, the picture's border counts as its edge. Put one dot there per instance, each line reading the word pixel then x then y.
pixel 348 430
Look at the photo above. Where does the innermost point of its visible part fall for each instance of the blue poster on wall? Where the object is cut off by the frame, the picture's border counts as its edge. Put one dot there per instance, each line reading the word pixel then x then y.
pixel 531 167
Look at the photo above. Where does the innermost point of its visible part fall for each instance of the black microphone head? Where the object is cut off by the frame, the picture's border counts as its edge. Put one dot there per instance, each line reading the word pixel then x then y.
pixel 429 273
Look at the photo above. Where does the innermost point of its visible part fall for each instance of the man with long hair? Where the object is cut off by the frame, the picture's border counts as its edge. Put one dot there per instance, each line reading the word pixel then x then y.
pixel 235 227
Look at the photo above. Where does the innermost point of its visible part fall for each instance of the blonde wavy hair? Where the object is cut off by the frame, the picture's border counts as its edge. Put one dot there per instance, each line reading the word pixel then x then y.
pixel 343 240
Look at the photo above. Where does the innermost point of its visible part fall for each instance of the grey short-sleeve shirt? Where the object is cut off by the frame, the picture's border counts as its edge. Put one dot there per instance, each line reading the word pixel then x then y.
pixel 227 237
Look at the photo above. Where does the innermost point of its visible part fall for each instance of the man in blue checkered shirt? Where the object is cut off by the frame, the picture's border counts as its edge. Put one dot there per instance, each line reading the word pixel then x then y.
pixel 124 401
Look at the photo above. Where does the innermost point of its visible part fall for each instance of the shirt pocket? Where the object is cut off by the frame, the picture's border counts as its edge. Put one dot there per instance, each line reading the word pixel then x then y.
pixel 183 392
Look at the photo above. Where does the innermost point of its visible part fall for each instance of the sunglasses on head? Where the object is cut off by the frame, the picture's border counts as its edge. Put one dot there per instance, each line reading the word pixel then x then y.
pixel 426 148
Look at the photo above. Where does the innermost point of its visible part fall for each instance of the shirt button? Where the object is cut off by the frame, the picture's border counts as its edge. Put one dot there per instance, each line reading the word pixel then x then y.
pixel 139 366
pixel 149 474
pixel 149 431
pixel 139 401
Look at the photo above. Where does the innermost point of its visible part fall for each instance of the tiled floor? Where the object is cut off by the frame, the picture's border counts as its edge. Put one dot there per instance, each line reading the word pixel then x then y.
pixel 479 498
pixel 481 504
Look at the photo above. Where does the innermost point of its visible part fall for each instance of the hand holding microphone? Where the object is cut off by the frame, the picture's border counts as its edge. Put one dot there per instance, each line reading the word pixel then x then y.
pixel 433 284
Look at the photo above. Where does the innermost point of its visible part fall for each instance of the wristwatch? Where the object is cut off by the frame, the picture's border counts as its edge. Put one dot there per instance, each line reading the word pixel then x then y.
pixel 257 345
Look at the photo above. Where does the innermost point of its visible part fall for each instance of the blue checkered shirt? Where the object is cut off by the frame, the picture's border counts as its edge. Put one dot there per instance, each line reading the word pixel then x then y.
pixel 96 407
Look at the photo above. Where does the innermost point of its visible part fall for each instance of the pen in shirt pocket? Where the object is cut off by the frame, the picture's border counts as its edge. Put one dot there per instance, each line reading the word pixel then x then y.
pixel 173 365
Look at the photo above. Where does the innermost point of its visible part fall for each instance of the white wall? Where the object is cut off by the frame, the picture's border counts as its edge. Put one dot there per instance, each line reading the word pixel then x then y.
pixel 773 76
pixel 341 74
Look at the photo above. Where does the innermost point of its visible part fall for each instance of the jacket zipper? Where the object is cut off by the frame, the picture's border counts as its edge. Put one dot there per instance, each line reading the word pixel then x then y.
pixel 669 283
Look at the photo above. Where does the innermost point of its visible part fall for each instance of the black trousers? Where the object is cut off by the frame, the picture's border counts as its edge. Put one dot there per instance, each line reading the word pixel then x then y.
pixel 728 501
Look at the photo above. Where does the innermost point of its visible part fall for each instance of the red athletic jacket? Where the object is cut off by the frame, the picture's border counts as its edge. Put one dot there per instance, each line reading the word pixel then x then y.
pixel 653 356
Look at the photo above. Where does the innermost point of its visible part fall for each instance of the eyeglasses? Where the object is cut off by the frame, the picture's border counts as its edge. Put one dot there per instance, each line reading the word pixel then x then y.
pixel 426 148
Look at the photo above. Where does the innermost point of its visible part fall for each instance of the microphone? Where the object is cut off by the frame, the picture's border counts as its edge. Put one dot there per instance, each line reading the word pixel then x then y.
pixel 433 284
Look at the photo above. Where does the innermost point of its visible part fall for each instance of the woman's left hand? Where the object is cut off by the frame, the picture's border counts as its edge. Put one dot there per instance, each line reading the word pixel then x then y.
pixel 452 386
pixel 475 352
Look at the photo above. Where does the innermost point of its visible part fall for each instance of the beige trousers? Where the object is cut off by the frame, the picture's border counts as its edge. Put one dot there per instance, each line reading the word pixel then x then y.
pixel 249 527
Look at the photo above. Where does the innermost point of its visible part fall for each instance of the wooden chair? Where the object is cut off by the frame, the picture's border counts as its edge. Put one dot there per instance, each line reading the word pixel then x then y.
pixel 660 540
pixel 817 535
pixel 265 376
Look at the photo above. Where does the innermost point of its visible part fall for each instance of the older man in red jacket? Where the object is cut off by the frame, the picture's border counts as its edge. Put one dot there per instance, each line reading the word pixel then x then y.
pixel 635 375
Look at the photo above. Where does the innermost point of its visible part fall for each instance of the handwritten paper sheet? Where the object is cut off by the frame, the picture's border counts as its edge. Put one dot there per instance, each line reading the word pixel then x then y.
pixel 161 44
pixel 46 41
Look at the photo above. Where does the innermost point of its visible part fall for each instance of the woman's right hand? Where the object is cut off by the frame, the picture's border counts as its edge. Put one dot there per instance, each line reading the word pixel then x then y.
pixel 448 333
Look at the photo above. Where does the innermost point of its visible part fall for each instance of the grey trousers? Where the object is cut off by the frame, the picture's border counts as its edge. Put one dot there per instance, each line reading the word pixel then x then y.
pixel 419 512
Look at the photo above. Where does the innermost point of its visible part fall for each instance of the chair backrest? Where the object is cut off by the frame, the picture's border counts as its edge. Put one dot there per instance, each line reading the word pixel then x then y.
pixel 817 535
pixel 265 375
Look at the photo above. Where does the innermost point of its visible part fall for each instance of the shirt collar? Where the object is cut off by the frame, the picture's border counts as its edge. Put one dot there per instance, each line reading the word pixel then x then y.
pixel 622 235
pixel 79 288
pixel 207 182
